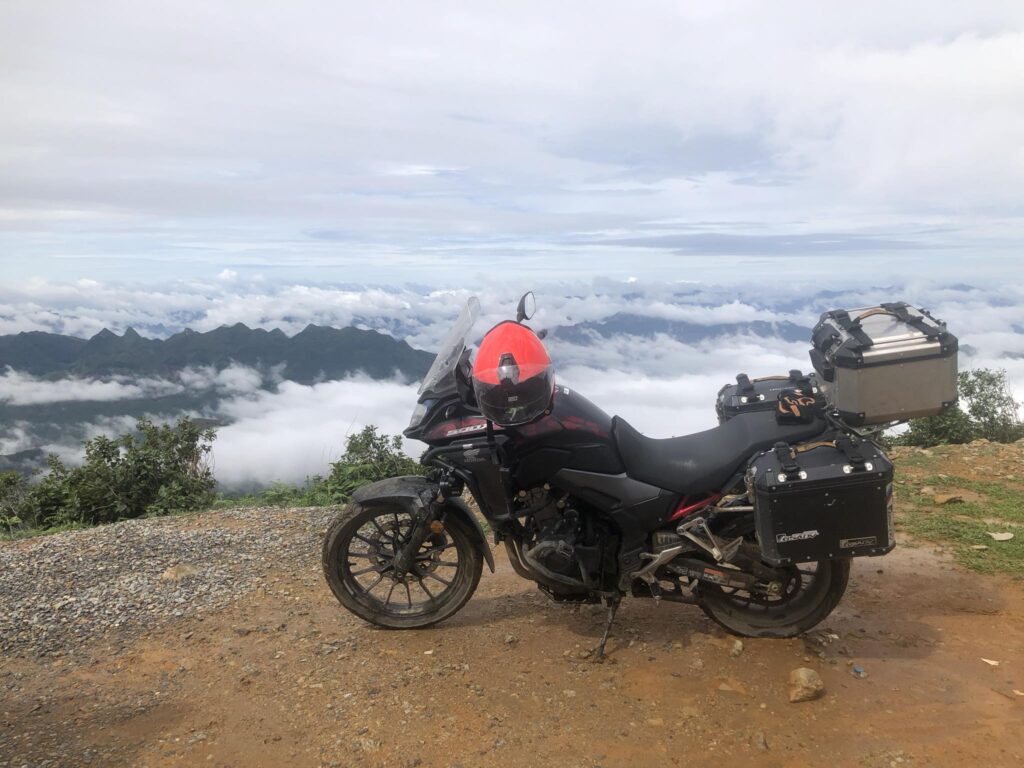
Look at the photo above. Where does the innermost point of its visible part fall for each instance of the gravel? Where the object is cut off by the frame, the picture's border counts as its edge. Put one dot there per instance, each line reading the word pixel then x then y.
pixel 60 591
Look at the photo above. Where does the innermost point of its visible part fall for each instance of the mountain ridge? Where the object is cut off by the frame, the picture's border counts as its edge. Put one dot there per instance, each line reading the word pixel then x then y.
pixel 686 331
pixel 313 354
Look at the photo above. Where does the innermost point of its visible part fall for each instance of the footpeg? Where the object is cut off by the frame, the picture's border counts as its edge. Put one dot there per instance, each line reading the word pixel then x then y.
pixel 646 574
pixel 698 531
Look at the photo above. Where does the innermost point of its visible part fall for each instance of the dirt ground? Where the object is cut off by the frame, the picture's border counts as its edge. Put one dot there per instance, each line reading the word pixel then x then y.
pixel 286 677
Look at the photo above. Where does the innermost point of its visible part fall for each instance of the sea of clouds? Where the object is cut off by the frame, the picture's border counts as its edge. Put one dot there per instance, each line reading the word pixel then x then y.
pixel 280 430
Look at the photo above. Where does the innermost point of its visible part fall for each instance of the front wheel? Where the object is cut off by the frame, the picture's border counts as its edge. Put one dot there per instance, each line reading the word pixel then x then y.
pixel 810 592
pixel 358 556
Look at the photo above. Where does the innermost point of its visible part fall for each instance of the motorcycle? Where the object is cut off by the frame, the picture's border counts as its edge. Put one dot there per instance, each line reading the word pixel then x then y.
pixel 589 509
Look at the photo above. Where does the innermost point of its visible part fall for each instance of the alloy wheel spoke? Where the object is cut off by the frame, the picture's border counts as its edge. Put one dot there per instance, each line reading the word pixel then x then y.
pixel 432 550
pixel 424 588
pixel 430 575
pixel 371 569
pixel 365 540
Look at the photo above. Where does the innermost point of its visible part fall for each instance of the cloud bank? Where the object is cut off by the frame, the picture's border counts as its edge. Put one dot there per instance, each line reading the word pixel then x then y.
pixel 18 388
pixel 663 385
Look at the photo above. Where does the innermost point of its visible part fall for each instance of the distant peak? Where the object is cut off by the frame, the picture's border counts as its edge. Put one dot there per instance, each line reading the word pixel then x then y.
pixel 131 333
pixel 106 333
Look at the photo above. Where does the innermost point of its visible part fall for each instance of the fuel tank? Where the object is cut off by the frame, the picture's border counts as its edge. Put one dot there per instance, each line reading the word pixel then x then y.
pixel 576 434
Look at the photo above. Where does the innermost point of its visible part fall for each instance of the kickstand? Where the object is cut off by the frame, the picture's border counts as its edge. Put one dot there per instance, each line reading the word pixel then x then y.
pixel 613 606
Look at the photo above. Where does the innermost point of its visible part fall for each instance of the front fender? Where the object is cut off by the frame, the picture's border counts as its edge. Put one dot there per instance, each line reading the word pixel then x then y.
pixel 415 493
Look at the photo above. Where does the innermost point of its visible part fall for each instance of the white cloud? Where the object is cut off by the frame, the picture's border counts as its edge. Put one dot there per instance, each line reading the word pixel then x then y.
pixel 231 380
pixel 399 141
pixel 19 388
pixel 298 430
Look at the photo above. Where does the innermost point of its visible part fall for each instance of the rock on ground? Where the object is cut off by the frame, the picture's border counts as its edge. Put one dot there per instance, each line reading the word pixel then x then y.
pixel 805 685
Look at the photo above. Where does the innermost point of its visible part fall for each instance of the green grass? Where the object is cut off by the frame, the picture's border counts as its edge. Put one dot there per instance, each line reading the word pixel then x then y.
pixel 313 493
pixel 19 532
pixel 962 525
pixel 960 535
pixel 1000 501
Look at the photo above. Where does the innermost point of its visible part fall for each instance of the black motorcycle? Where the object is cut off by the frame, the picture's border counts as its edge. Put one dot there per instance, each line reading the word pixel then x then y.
pixel 592 510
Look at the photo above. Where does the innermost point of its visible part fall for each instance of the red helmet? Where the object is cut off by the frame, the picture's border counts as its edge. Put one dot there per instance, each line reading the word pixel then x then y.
pixel 512 375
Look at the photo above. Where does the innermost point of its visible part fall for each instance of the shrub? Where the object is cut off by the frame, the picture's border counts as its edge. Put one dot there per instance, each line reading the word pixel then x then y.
pixel 368 457
pixel 156 471
pixel 987 409
pixel 13 490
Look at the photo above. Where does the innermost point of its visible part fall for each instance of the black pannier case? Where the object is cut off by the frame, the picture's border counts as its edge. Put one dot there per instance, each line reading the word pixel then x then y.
pixel 821 501
pixel 759 394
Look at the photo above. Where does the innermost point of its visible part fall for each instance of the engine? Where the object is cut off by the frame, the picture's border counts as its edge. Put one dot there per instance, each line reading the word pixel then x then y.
pixel 555 536
pixel 565 541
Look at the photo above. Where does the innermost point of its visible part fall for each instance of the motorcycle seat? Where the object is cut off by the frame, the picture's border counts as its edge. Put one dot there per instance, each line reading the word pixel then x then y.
pixel 704 461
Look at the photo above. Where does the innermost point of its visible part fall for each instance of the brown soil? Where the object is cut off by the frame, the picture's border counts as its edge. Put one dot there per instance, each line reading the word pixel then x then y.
pixel 287 677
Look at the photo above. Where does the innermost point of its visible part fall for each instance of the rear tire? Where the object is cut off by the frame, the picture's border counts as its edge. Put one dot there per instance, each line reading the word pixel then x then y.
pixel 384 604
pixel 788 618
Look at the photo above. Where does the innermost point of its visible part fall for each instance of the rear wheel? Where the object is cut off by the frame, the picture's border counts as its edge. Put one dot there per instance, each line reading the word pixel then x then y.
pixel 809 593
pixel 358 560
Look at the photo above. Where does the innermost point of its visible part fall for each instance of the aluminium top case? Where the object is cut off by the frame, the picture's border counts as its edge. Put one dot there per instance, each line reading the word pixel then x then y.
pixel 886 363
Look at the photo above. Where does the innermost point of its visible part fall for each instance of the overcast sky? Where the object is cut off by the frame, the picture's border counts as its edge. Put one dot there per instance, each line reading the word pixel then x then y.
pixel 428 142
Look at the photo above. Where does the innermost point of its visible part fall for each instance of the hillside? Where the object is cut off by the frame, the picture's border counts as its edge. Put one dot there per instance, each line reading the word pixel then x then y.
pixel 958 495
pixel 316 353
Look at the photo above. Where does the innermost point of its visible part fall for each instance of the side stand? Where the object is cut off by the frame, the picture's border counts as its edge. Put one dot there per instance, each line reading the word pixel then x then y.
pixel 613 606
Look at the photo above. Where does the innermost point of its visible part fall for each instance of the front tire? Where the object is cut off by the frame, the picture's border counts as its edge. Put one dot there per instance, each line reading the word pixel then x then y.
pixel 357 554
pixel 789 616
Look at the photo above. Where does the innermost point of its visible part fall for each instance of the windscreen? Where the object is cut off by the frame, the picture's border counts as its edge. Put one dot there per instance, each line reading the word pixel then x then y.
pixel 452 346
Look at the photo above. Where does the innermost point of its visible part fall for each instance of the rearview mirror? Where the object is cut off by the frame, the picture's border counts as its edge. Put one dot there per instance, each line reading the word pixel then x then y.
pixel 527 306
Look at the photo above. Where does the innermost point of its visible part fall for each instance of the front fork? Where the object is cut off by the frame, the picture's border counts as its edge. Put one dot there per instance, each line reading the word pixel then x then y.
pixel 425 520
pixel 429 521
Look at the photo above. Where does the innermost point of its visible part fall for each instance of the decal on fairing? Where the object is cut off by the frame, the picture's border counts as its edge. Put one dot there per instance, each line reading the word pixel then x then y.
pixel 471 454
pixel 464 430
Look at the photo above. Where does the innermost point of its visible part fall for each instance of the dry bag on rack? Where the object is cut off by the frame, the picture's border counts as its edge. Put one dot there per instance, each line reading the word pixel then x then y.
pixel 759 394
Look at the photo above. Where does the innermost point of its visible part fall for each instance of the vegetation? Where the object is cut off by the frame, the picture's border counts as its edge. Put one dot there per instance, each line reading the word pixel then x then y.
pixel 13 489
pixel 987 410
pixel 157 470
pixel 160 470
pixel 958 497
pixel 369 456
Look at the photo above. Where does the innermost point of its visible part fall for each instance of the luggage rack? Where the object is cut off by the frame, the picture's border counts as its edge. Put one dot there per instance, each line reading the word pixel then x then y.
pixel 866 431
